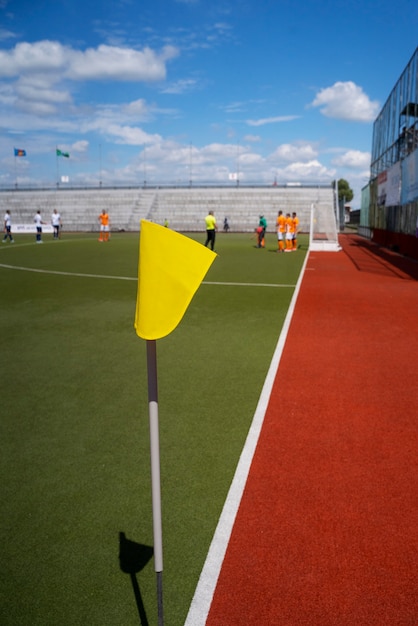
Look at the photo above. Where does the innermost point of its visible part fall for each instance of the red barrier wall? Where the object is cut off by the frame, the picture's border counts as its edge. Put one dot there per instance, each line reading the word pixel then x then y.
pixel 399 242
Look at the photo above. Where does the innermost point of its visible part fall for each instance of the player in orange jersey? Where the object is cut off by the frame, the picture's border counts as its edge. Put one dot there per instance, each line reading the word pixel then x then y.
pixel 295 232
pixel 281 229
pixel 104 226
pixel 289 232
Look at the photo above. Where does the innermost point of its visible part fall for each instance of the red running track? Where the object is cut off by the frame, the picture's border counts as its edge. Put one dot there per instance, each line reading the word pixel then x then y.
pixel 327 529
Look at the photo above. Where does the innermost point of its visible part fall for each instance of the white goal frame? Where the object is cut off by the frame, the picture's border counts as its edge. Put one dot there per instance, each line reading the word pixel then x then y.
pixel 323 231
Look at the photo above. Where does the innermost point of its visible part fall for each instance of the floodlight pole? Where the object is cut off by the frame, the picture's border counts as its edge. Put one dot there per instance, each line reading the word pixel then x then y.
pixel 58 169
pixel 238 164
pixel 100 164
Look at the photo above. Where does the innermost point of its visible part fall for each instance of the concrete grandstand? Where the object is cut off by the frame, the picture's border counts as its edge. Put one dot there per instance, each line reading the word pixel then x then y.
pixel 183 208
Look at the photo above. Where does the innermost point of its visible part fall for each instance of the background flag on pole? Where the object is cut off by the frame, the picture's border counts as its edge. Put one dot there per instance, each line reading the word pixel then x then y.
pixel 171 269
pixel 63 154
pixel 19 152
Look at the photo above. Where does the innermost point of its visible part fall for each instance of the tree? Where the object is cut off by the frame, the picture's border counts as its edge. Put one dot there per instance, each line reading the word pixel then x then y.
pixel 345 193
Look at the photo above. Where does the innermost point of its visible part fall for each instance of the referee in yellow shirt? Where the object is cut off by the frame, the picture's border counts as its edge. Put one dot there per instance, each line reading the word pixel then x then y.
pixel 211 229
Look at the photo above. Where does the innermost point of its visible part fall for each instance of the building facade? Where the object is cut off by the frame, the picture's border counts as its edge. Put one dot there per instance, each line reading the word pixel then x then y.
pixel 389 207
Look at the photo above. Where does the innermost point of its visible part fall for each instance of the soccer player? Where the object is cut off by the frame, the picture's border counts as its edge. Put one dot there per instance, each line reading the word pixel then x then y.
pixel 56 224
pixel 289 232
pixel 262 224
pixel 104 225
pixel 8 227
pixel 38 223
pixel 211 228
pixel 281 229
pixel 295 231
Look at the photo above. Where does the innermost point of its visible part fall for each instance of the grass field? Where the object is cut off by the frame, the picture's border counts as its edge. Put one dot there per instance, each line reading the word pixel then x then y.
pixel 74 427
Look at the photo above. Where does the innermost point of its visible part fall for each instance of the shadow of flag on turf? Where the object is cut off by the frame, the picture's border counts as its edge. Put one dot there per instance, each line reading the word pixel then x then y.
pixel 133 557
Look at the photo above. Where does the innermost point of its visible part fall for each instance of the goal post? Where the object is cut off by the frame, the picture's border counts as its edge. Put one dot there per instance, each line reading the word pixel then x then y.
pixel 323 232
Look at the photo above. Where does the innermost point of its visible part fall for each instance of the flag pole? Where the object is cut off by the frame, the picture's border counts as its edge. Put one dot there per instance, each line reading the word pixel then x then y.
pixel 166 260
pixel 155 472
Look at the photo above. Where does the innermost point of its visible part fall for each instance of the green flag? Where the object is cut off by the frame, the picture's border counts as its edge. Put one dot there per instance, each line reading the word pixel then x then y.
pixel 63 154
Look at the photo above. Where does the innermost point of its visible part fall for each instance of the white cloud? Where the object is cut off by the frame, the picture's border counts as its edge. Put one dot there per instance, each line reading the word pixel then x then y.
pixel 298 151
pixel 128 135
pixel 272 120
pixel 30 58
pixel 101 63
pixel 215 161
pixel 312 170
pixel 80 146
pixel 36 95
pixel 346 101
pixel 137 109
pixel 43 67
pixel 353 159
pixel 122 64
pixel 216 151
pixel 252 138
pixel 6 34
pixel 180 86
pixel 38 109
pixel 249 159
pixel 235 107
pixel 119 121
pixel 37 92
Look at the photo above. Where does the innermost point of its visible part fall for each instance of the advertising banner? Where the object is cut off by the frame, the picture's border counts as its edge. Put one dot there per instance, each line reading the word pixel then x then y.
pixel 381 188
pixel 31 228
pixel 409 167
pixel 393 185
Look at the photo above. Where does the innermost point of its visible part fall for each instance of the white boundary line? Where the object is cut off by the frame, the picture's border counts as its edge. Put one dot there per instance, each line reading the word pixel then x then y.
pixel 248 284
pixel 48 242
pixel 39 271
pixel 59 273
pixel 202 599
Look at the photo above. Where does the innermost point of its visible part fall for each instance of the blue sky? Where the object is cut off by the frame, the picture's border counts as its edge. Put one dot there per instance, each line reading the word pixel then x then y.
pixel 170 91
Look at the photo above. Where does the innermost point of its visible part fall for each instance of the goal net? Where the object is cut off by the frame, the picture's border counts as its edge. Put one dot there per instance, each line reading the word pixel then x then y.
pixel 323 234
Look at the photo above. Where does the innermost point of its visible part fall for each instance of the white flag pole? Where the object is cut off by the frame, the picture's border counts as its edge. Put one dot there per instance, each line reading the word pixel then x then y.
pixel 155 472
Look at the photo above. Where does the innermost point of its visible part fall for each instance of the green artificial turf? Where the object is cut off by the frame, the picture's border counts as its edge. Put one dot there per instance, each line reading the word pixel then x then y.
pixel 75 461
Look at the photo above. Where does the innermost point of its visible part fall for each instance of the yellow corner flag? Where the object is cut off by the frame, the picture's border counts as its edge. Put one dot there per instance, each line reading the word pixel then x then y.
pixel 171 269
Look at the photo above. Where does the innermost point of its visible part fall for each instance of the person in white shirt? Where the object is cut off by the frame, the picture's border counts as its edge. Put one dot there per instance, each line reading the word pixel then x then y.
pixel 56 224
pixel 8 227
pixel 38 223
